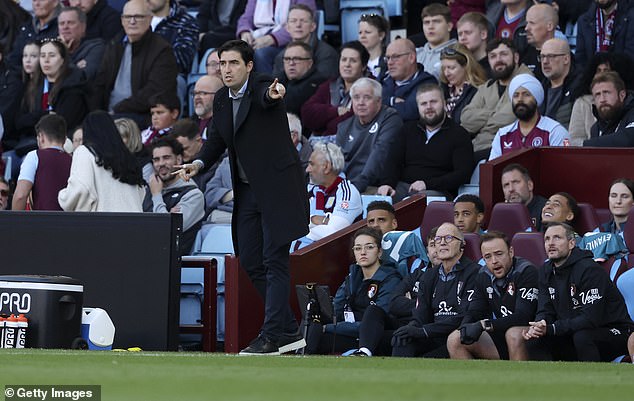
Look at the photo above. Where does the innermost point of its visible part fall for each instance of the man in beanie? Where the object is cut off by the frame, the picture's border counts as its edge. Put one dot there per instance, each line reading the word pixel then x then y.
pixel 530 130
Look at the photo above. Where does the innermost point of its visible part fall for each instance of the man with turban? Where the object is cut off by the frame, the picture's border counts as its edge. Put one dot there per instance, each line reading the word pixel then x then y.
pixel 530 130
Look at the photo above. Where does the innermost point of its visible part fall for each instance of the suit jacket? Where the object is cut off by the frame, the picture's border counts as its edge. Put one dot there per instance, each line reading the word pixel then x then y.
pixel 262 140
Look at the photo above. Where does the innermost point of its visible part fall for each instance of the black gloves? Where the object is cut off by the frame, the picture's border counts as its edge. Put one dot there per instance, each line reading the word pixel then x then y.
pixel 470 333
pixel 404 334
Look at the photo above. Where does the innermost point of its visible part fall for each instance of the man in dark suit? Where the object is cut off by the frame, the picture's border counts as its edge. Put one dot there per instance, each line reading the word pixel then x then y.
pixel 271 206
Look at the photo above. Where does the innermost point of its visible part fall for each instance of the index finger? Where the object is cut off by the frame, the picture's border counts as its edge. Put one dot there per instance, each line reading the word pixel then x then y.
pixel 273 84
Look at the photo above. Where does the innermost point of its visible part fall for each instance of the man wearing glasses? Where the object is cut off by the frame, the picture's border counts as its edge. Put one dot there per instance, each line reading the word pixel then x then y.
pixel 204 95
pixel 541 23
pixel 301 76
pixel 136 67
pixel 443 299
pixel 560 81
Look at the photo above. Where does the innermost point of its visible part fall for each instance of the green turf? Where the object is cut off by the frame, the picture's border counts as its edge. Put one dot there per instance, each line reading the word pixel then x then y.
pixel 199 376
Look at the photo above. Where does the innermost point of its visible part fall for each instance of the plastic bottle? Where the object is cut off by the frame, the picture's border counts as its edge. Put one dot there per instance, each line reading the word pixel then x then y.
pixel 23 325
pixel 10 331
pixel 2 324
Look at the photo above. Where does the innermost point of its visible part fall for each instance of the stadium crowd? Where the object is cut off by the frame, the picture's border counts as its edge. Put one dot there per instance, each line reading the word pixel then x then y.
pixel 98 107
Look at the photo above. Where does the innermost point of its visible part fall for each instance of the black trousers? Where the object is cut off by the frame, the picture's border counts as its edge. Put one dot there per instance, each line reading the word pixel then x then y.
pixel 375 332
pixel 265 262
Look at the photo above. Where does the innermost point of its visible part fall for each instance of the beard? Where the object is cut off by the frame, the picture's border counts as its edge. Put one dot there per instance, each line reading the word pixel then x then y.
pixel 504 74
pixel 610 113
pixel 524 111
pixel 433 121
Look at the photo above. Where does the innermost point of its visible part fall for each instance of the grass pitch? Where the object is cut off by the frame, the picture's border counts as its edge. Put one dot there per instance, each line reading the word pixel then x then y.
pixel 199 376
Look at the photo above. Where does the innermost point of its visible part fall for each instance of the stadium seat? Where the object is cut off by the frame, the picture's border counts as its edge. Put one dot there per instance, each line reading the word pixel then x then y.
pixel 615 267
pixel 351 11
pixel 604 215
pixel 625 284
pixel 367 199
pixel 530 246
pixel 199 301
pixel 628 237
pixel 472 247
pixel 7 167
pixel 199 68
pixel 587 221
pixel 394 8
pixel 510 218
pixel 436 213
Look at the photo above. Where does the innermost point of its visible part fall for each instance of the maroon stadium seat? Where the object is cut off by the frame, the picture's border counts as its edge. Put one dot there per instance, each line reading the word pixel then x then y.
pixel 436 213
pixel 472 247
pixel 628 236
pixel 587 221
pixel 530 246
pixel 603 214
pixel 510 218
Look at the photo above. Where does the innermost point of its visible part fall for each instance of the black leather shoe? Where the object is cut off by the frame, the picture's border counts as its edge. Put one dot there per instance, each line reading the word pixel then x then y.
pixel 261 346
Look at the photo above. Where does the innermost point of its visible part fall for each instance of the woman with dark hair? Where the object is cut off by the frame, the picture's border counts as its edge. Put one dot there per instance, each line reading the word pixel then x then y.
pixel 12 16
pixel 373 34
pixel 11 88
pixel 62 90
pixel 331 103
pixel 620 201
pixel 582 117
pixel 104 176
pixel 366 290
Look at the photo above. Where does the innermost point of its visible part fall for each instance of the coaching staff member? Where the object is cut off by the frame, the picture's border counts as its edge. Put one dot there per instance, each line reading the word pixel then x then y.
pixel 271 205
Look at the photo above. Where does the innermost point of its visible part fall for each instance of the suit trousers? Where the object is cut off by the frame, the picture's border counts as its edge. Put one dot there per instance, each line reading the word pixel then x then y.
pixel 266 263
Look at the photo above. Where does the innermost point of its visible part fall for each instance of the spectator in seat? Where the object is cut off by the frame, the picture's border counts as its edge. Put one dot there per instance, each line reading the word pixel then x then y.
pixel 263 25
pixel 560 80
pixel 490 109
pixel 620 201
pixel 331 103
pixel 560 208
pixel 212 64
pixel 5 194
pixel 581 315
pixel 103 22
pixel 374 31
pixel 204 94
pixel 508 17
pixel 368 138
pixel 301 27
pixel 460 77
pixel 12 16
pixel 165 110
pixel 186 133
pixel 518 187
pixel 169 193
pixel 468 214
pixel 437 28
pixel 614 107
pixel 104 174
pixel 432 155
pixel 530 130
pixel 85 53
pixel 217 22
pixel 541 23
pixel 473 33
pixel 300 76
pixel 404 76
pixel 304 148
pixel 44 172
pixel 42 26
pixel 135 67
pixel 11 90
pixel 131 136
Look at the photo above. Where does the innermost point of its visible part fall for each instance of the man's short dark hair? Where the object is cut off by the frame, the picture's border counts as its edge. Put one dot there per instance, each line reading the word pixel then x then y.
pixel 356 45
pixel 496 42
pixel 186 128
pixel 53 126
pixel 240 46
pixel 298 43
pixel 517 167
pixel 570 232
pixel 81 15
pixel 572 205
pixel 382 205
pixel 494 234
pixel 436 9
pixel 170 101
pixel 302 7
pixel 431 235
pixel 167 141
pixel 470 198
pixel 609 76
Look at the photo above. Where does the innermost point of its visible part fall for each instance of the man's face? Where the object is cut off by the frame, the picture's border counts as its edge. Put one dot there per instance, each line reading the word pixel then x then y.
pixel 317 168
pixel 233 69
pixel 431 107
pixel 297 62
pixel 555 61
pixel 204 94
pixel 502 61
pixel 448 250
pixel 135 19
pixel 43 9
pixel 84 5
pixel 69 26
pixel 436 29
pixel 365 105
pixel 300 25
pixel 466 217
pixel 381 220
pixel 471 36
pixel 557 210
pixel 608 100
pixel 4 196
pixel 191 147
pixel 432 253
pixel 497 256
pixel 604 4
pixel 524 104
pixel 557 246
pixel 536 27
pixel 401 62
pixel 162 117
pixel 516 188
pixel 156 5
pixel 163 161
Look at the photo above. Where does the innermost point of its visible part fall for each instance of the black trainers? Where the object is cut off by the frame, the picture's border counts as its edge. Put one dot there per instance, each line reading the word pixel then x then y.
pixel 291 342
pixel 261 346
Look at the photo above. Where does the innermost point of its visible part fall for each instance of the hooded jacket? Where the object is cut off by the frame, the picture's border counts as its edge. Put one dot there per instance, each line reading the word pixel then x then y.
pixel 615 133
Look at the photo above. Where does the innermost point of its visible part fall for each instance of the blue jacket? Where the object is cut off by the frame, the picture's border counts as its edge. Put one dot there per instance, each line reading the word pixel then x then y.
pixel 407 109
